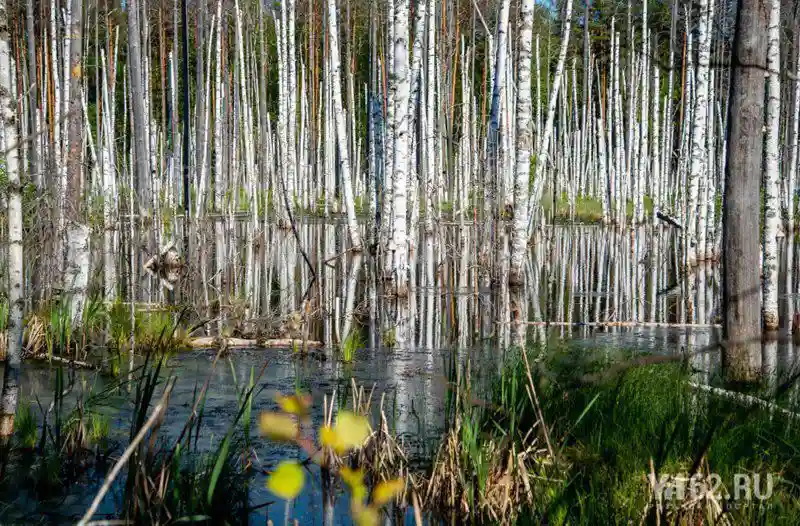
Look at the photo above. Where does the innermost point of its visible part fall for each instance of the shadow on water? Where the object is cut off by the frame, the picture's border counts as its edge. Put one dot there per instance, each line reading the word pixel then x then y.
pixel 623 345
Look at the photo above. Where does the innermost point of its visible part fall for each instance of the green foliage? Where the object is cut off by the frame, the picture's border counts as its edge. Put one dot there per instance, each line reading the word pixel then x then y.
pixel 352 342
pixel 26 426
pixel 389 338
pixel 58 330
pixel 606 427
pixel 3 314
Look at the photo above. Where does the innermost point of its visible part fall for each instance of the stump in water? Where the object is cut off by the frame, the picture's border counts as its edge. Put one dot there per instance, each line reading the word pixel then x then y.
pixel 166 265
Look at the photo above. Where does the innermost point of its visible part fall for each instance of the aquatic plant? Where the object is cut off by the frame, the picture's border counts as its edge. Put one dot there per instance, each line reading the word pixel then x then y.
pixel 26 426
pixel 352 342
pixel 174 480
pixel 487 463
pixel 389 338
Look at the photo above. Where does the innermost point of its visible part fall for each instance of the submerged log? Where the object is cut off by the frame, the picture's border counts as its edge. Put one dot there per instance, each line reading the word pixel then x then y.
pixel 205 342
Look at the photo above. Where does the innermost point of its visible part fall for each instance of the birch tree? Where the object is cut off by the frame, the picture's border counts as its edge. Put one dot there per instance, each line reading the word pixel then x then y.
pixel 76 277
pixel 141 161
pixel 772 173
pixel 698 163
pixel 341 127
pixel 8 144
pixel 33 117
pixel 493 169
pixel 544 137
pixel 522 170
pixel 400 87
pixel 794 150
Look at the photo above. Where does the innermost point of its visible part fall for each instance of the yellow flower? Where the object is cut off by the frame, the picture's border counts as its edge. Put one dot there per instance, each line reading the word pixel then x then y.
pixel 287 480
pixel 352 477
pixel 278 426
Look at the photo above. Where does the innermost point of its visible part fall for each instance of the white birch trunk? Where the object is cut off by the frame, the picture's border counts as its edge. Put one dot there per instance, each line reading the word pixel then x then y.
pixel 772 173
pixel 341 128
pixel 524 145
pixel 794 150
pixel 219 102
pixel 400 88
pixel 76 273
pixel 429 188
pixel 698 158
pixel 544 138
pixel 107 152
pixel 16 283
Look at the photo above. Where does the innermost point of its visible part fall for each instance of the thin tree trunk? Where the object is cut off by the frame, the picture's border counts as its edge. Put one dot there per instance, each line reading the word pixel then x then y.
pixel 141 170
pixel 544 137
pixel 794 151
pixel 522 171
pixel 401 87
pixel 772 174
pixel 33 97
pixel 341 128
pixel 77 268
pixel 699 165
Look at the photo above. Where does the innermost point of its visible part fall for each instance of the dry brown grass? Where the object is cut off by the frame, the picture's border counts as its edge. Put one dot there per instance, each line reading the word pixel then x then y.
pixel 453 489
pixel 703 506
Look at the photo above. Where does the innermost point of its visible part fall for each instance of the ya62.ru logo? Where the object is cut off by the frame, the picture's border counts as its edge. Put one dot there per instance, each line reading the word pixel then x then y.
pixel 745 486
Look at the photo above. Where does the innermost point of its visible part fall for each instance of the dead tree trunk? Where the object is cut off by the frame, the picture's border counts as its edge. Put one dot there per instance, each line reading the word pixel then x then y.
pixel 741 262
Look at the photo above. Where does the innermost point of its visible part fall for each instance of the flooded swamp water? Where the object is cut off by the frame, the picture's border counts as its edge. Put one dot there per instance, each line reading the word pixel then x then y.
pixel 588 289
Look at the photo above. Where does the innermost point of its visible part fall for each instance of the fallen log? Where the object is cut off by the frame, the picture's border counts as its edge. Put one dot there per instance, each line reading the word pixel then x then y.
pixel 44 357
pixel 288 343
pixel 206 342
pixel 746 400
pixel 632 324
pixel 203 342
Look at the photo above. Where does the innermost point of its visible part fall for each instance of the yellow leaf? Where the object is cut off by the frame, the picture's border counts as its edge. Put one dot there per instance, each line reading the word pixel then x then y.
pixel 351 429
pixel 386 491
pixel 287 480
pixel 76 71
pixel 329 438
pixel 352 477
pixel 366 517
pixel 296 404
pixel 278 426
